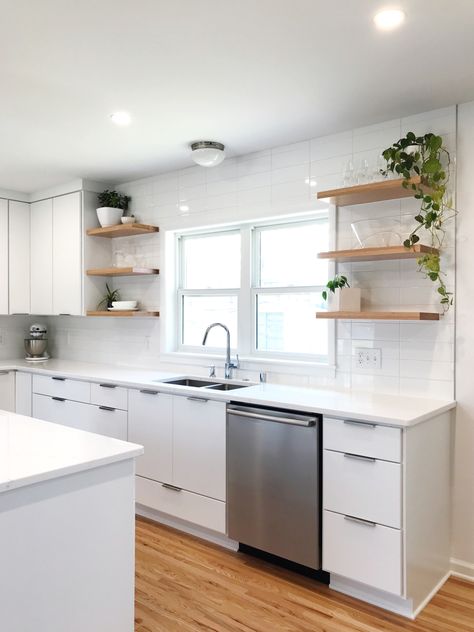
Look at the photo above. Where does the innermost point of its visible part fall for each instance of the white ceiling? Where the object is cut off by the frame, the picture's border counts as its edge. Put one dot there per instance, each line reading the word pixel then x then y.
pixel 249 73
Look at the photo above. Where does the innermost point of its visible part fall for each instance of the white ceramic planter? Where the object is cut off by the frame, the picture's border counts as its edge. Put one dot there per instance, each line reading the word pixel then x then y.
pixel 346 299
pixel 109 216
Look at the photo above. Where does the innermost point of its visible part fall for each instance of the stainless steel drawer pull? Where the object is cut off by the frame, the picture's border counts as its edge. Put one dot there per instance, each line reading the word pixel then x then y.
pixel 198 399
pixel 145 391
pixel 358 457
pixel 364 424
pixel 58 379
pixel 107 408
pixel 108 385
pixel 173 488
pixel 58 399
pixel 308 421
pixel 366 523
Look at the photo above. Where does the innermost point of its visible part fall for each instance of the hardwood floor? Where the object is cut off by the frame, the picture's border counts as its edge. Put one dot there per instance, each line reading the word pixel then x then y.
pixel 187 585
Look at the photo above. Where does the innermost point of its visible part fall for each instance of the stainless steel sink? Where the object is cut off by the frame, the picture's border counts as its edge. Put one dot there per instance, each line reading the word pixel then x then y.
pixel 227 387
pixel 188 381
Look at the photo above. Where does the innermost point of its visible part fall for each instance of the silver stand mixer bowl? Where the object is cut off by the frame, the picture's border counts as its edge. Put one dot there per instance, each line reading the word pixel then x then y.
pixel 36 347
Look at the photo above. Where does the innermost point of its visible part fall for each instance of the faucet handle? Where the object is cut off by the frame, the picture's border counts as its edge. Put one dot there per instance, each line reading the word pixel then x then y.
pixel 237 361
pixel 263 377
pixel 212 370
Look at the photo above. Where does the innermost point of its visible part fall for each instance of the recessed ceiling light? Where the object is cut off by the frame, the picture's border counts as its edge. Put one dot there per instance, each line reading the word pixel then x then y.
pixel 121 118
pixel 389 19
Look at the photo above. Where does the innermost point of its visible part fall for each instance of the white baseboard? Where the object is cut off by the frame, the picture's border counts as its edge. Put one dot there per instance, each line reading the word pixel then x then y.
pixel 187 527
pixel 462 569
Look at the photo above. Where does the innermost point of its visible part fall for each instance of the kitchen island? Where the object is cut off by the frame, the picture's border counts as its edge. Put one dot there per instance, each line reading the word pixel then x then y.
pixel 66 528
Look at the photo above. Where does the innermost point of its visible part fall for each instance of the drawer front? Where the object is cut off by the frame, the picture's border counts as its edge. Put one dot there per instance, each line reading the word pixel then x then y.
pixel 108 394
pixel 107 421
pixel 362 487
pixel 57 386
pixel 368 554
pixel 199 510
pixel 381 442
pixel 60 411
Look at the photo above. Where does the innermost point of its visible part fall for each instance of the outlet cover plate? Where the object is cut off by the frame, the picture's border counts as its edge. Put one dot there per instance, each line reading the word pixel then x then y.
pixel 368 358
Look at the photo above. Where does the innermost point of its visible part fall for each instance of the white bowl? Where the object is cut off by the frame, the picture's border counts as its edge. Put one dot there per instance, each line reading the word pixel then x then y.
pixel 109 216
pixel 124 304
pixel 128 220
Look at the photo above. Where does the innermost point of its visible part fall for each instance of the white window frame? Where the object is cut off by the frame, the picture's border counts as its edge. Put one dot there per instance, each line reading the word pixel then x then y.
pixel 247 297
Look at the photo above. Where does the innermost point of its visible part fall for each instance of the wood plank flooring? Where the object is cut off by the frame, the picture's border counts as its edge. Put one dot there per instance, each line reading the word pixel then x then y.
pixel 184 584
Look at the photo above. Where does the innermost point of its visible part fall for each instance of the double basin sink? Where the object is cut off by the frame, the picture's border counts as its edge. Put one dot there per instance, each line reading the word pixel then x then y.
pixel 198 383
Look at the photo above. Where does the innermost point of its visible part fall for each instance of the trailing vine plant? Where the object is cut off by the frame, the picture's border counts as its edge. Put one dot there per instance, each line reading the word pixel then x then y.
pixel 425 156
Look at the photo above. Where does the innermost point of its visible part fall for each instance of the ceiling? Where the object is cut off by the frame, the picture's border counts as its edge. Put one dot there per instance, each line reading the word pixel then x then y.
pixel 249 73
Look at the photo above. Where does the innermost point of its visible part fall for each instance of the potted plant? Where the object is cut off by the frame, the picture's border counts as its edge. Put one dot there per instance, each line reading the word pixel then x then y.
pixel 109 297
pixel 341 296
pixel 112 207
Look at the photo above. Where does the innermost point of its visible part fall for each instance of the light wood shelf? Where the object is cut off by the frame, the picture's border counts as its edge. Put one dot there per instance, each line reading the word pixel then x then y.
pixel 125 313
pixel 120 272
pixel 379 315
pixel 123 230
pixel 378 254
pixel 366 193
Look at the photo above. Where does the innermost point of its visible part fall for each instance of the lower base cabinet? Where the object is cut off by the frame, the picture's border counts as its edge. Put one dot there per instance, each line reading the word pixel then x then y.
pixel 99 419
pixel 7 391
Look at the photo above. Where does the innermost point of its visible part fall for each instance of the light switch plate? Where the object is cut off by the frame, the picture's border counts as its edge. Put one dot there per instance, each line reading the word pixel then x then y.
pixel 368 358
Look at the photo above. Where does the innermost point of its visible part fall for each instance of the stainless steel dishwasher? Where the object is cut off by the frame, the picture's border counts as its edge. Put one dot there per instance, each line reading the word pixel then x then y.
pixel 273 482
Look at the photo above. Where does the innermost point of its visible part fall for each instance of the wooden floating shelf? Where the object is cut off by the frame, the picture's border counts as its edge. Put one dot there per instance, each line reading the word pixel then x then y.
pixel 372 192
pixel 379 254
pixel 124 313
pixel 379 315
pixel 123 230
pixel 120 272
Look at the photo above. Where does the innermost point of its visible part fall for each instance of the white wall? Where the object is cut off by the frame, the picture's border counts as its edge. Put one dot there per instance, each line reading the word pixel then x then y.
pixel 463 498
pixel 417 358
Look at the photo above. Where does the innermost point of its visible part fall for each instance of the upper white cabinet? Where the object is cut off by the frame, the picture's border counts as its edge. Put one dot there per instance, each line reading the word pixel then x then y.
pixel 67 254
pixel 42 257
pixel 7 390
pixel 3 256
pixel 19 257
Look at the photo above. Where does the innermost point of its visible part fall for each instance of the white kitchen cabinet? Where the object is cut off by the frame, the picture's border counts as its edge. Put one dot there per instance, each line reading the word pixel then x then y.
pixel 3 256
pixel 151 425
pixel 19 257
pixel 42 257
pixel 364 438
pixel 199 446
pixel 58 386
pixel 23 393
pixel 7 391
pixel 67 254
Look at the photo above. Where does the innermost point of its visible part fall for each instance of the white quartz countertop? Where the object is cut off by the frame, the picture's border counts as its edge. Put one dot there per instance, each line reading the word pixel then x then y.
pixel 394 410
pixel 32 451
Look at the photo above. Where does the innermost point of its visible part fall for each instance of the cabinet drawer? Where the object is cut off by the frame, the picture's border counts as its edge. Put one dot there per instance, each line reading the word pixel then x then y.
pixel 361 487
pixel 368 554
pixel 57 386
pixel 200 510
pixel 110 422
pixel 108 394
pixel 364 438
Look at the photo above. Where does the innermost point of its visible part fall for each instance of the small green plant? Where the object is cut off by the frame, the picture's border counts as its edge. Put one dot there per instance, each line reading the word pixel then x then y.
pixel 109 298
pixel 426 157
pixel 337 283
pixel 114 199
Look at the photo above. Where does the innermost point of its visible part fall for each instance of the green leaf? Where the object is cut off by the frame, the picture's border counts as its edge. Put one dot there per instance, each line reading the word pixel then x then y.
pixel 431 165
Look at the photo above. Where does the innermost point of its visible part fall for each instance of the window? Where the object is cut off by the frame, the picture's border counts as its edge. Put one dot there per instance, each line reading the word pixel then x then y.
pixel 264 282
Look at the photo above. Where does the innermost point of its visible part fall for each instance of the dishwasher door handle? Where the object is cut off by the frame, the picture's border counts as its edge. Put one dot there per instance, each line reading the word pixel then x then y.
pixel 307 422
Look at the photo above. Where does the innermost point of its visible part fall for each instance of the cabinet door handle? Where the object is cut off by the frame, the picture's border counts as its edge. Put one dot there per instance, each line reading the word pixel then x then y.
pixel 173 488
pixel 58 399
pixel 366 523
pixel 107 408
pixel 358 457
pixel 364 424
pixel 203 400
pixel 146 391
pixel 108 385
pixel 59 379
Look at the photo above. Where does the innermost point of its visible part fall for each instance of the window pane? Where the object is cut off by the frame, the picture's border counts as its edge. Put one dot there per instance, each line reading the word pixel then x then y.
pixel 288 255
pixel 200 311
pixel 287 323
pixel 211 261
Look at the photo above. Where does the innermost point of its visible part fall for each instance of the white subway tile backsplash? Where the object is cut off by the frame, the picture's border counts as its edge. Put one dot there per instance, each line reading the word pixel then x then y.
pixel 295 155
pixel 331 146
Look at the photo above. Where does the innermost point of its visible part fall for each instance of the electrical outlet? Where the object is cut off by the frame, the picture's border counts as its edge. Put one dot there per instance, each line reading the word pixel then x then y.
pixel 368 358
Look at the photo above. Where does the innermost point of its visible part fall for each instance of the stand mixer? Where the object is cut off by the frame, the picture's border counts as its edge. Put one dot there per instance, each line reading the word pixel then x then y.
pixel 36 344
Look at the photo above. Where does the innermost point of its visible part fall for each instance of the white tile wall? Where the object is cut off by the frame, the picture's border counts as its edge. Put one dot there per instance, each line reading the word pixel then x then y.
pixel 417 358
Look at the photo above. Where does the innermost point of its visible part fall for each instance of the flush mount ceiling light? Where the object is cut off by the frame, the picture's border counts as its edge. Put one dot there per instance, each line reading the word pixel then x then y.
pixel 207 153
pixel 389 19
pixel 121 118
